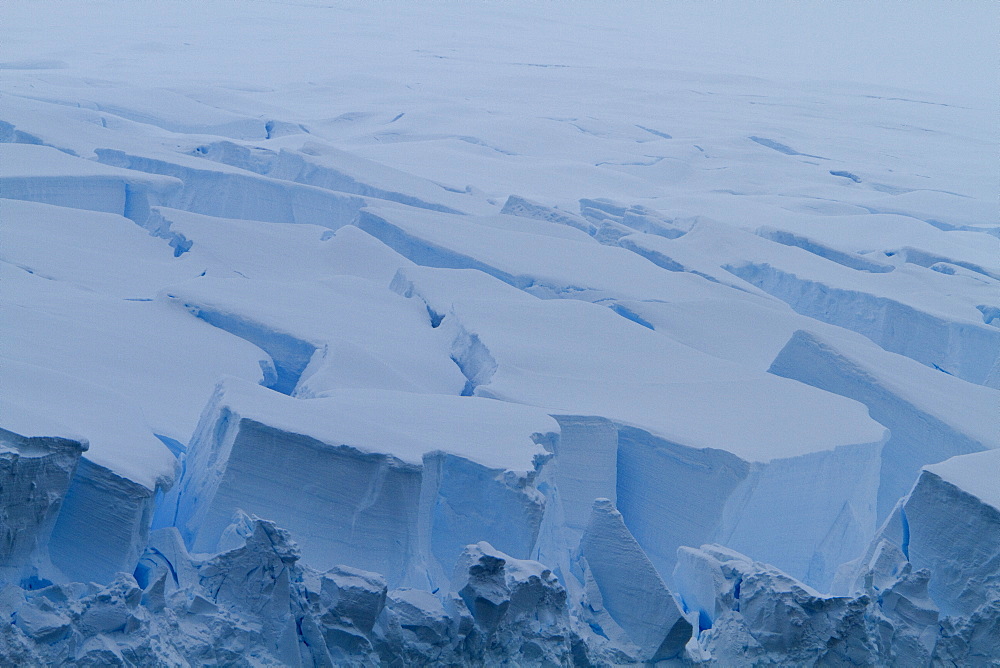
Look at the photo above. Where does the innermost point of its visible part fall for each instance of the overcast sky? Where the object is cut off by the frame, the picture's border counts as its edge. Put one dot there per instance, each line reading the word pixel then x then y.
pixel 940 46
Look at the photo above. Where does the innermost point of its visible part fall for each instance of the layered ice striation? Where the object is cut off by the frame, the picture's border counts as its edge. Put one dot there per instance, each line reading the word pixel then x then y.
pixel 36 474
pixel 105 502
pixel 386 481
pixel 628 587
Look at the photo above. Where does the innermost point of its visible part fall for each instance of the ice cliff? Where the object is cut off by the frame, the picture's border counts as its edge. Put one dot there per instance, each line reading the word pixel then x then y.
pixel 492 335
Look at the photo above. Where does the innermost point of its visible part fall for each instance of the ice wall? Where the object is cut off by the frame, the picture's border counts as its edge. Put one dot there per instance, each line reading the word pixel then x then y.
pixel 388 484
pixel 808 514
pixel 948 524
pixel 631 590
pixel 677 231
pixel 218 190
pixel 662 517
pixel 35 474
pixel 357 510
pixel 103 526
pixel 728 448
pixel 47 175
pixel 586 467
pixel 943 418
pixel 105 502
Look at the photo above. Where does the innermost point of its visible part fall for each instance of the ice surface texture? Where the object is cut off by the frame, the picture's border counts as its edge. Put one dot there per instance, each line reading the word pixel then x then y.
pixel 318 350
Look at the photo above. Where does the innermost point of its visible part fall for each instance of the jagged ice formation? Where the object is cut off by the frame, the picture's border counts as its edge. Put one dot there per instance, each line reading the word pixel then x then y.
pixel 497 334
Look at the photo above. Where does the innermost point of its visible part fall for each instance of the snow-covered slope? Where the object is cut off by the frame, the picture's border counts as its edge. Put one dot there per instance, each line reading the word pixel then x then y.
pixel 549 334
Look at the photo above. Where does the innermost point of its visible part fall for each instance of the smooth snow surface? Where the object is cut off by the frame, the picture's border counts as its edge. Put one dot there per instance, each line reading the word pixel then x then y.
pixel 552 333
pixel 584 359
pixel 404 425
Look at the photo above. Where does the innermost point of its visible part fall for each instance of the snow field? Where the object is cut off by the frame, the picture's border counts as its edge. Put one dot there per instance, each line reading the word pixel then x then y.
pixel 547 336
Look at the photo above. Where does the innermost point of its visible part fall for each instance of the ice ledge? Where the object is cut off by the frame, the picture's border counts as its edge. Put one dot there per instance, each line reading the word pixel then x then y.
pixel 976 474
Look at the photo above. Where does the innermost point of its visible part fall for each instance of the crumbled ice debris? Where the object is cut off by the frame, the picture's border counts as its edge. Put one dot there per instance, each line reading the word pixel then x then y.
pixel 519 607
pixel 257 599
pixel 415 627
pixel 750 611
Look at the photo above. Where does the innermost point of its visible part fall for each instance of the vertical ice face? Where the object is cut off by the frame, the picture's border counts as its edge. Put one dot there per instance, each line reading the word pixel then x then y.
pixel 671 495
pixel 950 523
pixel 931 416
pixel 107 505
pixel 35 474
pixel 44 174
pixel 586 467
pixel 681 417
pixel 389 482
pixel 349 507
pixel 807 514
pixel 631 590
pixel 453 431
pixel 462 498
pixel 103 526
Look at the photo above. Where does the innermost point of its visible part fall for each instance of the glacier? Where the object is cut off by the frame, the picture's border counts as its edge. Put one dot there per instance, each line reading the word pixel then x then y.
pixel 510 333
